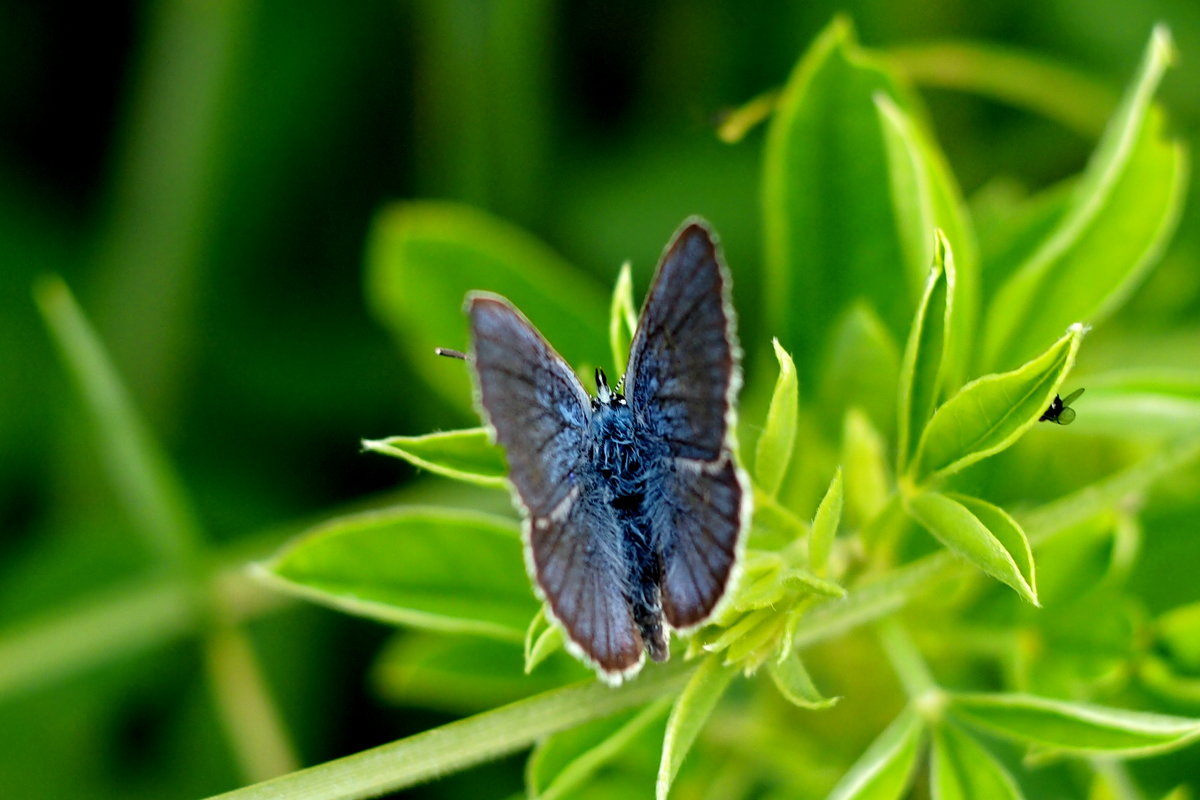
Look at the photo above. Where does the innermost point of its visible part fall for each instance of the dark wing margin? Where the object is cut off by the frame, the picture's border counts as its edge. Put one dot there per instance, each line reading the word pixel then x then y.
pixel 683 363
pixel 582 573
pixel 532 400
pixel 698 531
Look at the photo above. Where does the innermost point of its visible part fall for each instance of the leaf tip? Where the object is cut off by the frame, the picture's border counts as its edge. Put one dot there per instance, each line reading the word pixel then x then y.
pixel 1163 44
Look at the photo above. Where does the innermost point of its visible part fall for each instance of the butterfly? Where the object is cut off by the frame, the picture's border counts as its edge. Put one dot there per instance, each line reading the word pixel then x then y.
pixel 1060 410
pixel 634 506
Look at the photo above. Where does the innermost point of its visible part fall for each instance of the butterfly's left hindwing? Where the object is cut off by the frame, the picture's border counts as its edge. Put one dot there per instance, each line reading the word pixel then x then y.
pixel 540 414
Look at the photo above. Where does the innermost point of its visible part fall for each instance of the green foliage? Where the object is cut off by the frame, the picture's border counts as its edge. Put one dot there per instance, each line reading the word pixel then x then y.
pixel 931 489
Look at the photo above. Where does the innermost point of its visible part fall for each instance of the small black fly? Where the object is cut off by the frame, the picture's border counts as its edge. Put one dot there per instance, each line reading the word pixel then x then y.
pixel 1060 410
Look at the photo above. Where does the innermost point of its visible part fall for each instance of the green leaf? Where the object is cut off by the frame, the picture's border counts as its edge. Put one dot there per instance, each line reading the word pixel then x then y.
pixel 883 772
pixel 622 318
pixel 467 455
pixel 430 568
pixel 921 370
pixel 795 684
pixel 1075 727
pixel 778 438
pixel 1141 404
pixel 564 762
pixel 461 674
pixel 422 259
pixel 825 173
pixel 825 525
pixel 926 198
pixel 990 413
pixel 1179 632
pixel 861 369
pixel 1013 225
pixel 542 640
pixel 1123 211
pixel 761 582
pixel 981 533
pixel 962 769
pixel 864 461
pixel 696 702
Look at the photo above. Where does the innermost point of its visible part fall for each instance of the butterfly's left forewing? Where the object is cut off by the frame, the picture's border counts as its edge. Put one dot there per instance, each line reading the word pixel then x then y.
pixel 540 414
pixel 683 375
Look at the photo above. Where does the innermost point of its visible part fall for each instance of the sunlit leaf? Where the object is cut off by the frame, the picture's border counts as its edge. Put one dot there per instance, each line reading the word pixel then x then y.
pixel 825 525
pixel 467 455
pixel 981 533
pixel 883 772
pixel 1124 210
pixel 691 710
pixel 926 197
pixel 429 568
pixel 1179 632
pixel 622 318
pixel 778 438
pixel 865 470
pixel 961 769
pixel 796 685
pixel 1075 727
pixel 990 413
pixel 542 640
pixel 921 369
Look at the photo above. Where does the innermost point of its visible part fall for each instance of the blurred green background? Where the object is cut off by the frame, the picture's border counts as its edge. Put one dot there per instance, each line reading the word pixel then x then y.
pixel 204 175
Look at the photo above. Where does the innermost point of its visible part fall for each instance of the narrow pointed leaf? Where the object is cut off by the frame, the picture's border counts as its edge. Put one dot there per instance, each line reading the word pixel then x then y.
pixel 825 525
pixel 778 438
pixel 422 567
pixel 688 716
pixel 796 685
pixel 542 640
pixel 957 527
pixel 921 369
pixel 622 318
pixel 1075 727
pixel 961 769
pixel 865 464
pixel 1124 210
pixel 990 413
pixel 926 198
pixel 564 762
pixel 466 455
pixel 424 256
pixel 886 768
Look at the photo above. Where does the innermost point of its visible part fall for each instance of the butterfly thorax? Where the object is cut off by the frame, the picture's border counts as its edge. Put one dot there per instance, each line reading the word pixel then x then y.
pixel 626 464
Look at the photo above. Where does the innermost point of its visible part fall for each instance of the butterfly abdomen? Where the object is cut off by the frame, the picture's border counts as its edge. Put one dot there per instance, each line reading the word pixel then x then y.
pixel 626 463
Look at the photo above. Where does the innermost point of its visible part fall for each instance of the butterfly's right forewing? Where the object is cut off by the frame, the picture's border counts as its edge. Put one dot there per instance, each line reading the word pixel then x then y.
pixel 540 414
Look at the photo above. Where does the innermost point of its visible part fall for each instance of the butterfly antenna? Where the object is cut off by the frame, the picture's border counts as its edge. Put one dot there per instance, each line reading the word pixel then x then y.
pixel 448 353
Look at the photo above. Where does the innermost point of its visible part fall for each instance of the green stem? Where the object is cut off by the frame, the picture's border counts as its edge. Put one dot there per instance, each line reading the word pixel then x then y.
pixel 905 659
pixel 154 497
pixel 467 742
pixel 1020 79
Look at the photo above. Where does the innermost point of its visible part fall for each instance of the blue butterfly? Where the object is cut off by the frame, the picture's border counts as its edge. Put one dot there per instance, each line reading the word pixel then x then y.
pixel 634 505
